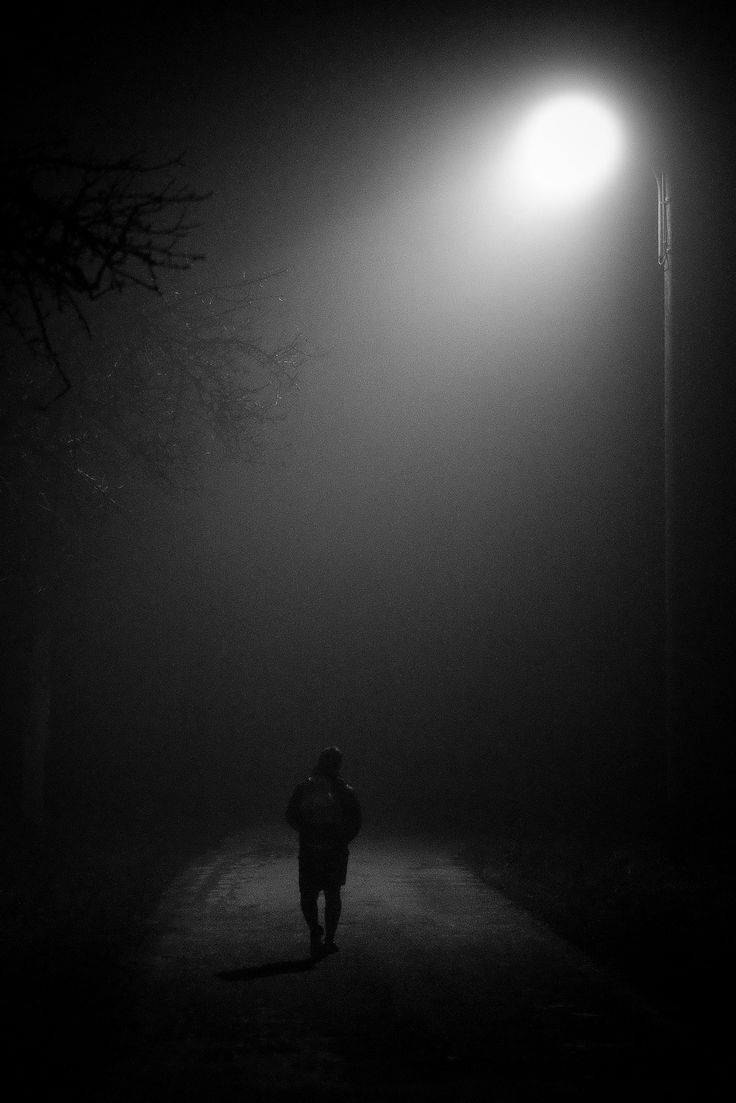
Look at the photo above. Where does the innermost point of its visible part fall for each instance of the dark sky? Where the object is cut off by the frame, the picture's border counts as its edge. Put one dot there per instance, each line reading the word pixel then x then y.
pixel 452 552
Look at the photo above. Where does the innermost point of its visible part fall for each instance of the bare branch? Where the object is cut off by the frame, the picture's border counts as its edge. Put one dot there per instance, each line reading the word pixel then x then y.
pixel 74 229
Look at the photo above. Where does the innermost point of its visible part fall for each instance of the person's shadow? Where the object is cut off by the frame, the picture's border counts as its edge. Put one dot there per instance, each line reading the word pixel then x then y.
pixel 268 969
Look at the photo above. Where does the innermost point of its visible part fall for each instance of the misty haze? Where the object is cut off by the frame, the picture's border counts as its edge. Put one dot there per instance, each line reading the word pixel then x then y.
pixel 320 430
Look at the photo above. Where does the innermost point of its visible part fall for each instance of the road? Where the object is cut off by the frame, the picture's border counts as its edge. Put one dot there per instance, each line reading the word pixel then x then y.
pixel 442 990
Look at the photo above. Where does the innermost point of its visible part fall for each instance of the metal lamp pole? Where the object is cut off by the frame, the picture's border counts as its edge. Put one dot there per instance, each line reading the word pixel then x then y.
pixel 664 258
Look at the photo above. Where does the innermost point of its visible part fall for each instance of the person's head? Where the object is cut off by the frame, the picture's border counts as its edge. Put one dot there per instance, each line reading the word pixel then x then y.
pixel 329 762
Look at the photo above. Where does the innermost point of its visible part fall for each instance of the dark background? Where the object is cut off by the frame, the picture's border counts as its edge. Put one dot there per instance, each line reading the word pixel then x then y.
pixel 449 559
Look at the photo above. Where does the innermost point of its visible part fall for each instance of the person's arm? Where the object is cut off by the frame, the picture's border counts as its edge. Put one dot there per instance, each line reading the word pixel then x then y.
pixel 293 815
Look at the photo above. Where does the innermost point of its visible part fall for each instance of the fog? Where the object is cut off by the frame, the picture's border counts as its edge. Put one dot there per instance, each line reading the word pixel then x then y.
pixel 447 558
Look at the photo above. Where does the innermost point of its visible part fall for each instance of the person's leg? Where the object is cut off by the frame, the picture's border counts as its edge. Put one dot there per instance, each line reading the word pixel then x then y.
pixel 309 908
pixel 309 911
pixel 333 907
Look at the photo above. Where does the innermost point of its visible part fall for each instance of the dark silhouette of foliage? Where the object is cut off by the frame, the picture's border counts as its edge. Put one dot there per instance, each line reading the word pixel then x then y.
pixel 75 229
pixel 156 390
pixel 165 384
pixel 162 392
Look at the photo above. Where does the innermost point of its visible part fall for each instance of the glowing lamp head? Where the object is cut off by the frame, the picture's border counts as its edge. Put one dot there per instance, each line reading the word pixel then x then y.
pixel 567 147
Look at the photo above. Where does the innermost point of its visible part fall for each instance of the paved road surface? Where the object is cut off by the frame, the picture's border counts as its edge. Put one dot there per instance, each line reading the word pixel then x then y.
pixel 442 990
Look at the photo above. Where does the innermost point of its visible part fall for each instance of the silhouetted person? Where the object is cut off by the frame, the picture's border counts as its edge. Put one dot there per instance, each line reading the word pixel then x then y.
pixel 325 811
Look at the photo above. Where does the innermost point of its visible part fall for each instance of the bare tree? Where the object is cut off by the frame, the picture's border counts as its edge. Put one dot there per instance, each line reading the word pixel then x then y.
pixel 178 385
pixel 89 417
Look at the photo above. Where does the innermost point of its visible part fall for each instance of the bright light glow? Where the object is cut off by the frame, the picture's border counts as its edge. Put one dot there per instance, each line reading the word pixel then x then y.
pixel 567 147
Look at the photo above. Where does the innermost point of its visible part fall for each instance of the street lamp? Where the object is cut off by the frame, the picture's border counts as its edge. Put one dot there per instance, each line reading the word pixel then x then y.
pixel 565 149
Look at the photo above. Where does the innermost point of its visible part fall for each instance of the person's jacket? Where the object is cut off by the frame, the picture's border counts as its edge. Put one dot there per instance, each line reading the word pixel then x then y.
pixel 328 835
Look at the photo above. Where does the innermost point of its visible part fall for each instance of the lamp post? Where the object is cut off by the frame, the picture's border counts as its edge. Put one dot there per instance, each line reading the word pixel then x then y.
pixel 664 259
pixel 567 147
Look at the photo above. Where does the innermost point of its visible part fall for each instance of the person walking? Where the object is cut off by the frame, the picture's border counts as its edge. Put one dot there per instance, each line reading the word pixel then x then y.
pixel 326 812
